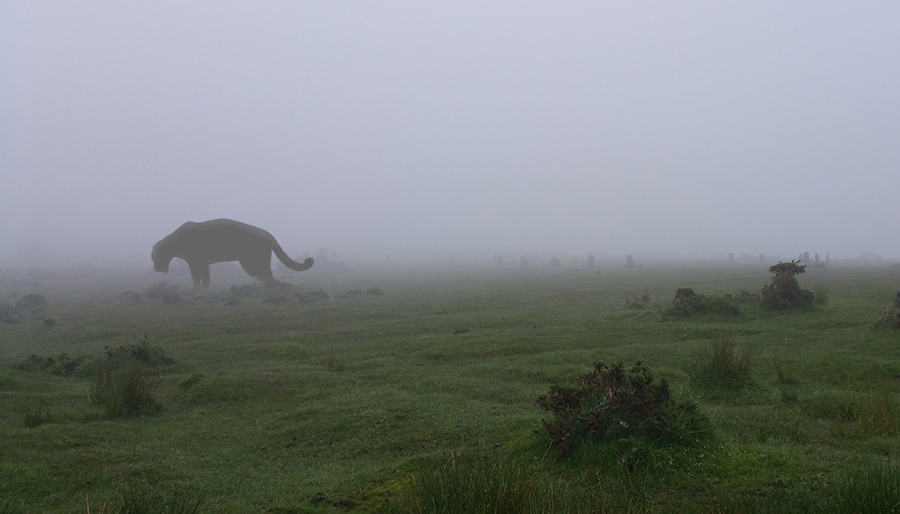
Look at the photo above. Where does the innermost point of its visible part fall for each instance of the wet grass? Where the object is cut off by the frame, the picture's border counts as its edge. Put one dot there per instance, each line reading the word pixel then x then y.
pixel 390 401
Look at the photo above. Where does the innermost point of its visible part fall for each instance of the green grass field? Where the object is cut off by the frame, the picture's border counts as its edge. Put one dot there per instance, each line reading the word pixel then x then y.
pixel 414 391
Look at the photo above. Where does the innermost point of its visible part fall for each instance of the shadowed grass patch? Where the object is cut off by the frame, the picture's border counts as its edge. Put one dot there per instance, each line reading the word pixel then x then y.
pixel 722 364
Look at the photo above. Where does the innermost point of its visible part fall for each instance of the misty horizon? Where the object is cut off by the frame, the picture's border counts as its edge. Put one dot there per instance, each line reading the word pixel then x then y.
pixel 436 132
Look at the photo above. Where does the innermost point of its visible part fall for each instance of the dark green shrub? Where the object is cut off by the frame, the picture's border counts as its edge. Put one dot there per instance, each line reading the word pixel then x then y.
pixel 612 404
pixel 687 302
pixel 141 353
pixel 723 364
pixel 62 364
pixel 784 292
pixel 890 321
pixel 641 302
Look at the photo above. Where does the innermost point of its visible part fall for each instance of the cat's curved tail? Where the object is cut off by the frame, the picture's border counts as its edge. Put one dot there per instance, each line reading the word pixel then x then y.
pixel 290 263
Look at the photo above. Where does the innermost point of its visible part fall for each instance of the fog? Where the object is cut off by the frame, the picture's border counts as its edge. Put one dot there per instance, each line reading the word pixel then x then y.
pixel 429 131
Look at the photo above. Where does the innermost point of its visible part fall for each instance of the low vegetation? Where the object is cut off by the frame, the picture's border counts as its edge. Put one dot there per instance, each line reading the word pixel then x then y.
pixel 611 404
pixel 720 364
pixel 419 395
pixel 784 291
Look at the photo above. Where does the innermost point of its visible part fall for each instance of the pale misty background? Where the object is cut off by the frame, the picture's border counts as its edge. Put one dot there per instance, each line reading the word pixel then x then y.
pixel 429 131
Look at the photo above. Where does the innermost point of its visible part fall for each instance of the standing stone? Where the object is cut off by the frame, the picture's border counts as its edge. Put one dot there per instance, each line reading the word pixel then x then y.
pixel 629 262
pixel 523 262
pixel 590 261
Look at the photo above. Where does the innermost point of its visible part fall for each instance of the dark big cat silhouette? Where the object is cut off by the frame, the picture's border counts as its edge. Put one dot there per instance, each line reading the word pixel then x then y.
pixel 202 244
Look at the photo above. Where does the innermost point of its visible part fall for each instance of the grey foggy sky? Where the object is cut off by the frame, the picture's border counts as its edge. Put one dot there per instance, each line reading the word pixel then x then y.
pixel 426 128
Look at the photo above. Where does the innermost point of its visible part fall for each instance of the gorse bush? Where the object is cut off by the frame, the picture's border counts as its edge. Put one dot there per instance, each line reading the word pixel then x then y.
pixel 62 364
pixel 784 292
pixel 687 302
pixel 640 302
pixel 611 403
pixel 723 364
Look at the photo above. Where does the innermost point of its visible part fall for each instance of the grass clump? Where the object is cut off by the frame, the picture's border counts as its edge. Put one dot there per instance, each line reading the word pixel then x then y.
pixel 132 502
pixel 873 490
pixel 821 296
pixel 127 380
pixel 36 413
pixel 611 403
pixel 467 484
pixel 127 390
pixel 784 292
pixel 722 364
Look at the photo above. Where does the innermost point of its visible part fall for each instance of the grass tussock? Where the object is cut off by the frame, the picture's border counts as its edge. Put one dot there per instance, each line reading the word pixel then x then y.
pixel 36 413
pixel 464 484
pixel 879 414
pixel 127 390
pixel 127 380
pixel 869 491
pixel 132 502
pixel 722 364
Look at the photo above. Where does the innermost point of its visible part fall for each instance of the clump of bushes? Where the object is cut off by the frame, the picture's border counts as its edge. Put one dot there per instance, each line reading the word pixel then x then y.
pixel 890 320
pixel 784 292
pixel 640 302
pixel 687 302
pixel 30 306
pixel 722 364
pixel 62 364
pixel 611 403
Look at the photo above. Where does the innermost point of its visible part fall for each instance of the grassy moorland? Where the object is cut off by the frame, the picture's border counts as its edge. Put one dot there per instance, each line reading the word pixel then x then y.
pixel 415 391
